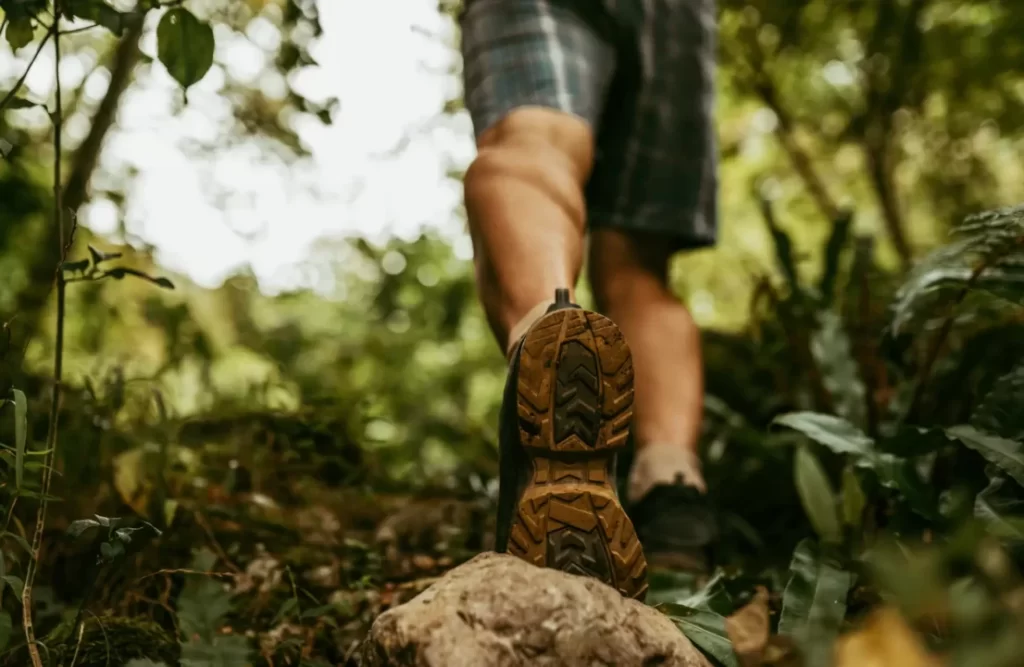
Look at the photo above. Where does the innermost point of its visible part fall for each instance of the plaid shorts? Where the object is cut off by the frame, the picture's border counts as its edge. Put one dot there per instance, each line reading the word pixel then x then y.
pixel 640 72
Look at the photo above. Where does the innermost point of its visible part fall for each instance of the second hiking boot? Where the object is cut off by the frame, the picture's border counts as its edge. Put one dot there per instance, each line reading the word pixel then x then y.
pixel 566 412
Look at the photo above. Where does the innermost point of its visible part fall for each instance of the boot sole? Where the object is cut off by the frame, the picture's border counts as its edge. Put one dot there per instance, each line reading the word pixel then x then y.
pixel 575 409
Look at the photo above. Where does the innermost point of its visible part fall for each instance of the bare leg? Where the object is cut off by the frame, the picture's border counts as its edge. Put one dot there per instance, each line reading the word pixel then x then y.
pixel 524 199
pixel 629 274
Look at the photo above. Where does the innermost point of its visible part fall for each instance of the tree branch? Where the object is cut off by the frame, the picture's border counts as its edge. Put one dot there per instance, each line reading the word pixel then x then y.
pixel 884 98
pixel 761 83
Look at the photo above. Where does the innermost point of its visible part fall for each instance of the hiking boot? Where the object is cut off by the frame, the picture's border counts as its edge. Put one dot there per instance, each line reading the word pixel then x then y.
pixel 566 412
pixel 677 526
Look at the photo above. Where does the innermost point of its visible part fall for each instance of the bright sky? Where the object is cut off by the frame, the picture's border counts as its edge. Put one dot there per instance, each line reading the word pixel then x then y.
pixel 210 212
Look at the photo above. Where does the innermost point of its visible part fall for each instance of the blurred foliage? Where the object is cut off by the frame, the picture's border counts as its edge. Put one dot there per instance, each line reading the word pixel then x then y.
pixel 290 465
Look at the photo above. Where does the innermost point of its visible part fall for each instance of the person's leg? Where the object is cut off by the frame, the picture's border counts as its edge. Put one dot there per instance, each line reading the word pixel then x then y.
pixel 537 73
pixel 524 200
pixel 629 275
pixel 653 192
pixel 536 77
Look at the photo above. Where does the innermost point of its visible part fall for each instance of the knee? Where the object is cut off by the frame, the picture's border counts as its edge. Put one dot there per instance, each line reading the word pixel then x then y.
pixel 627 268
pixel 540 149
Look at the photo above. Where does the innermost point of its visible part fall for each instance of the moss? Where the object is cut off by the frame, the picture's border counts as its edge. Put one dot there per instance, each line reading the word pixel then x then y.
pixel 110 641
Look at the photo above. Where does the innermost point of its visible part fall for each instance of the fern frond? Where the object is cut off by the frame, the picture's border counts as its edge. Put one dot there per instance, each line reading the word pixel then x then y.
pixel 986 253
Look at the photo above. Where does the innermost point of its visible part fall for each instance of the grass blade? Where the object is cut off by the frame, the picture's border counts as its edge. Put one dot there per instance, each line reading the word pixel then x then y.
pixel 20 435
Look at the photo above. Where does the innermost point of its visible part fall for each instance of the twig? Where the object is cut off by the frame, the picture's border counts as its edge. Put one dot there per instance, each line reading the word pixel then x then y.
pixel 201 520
pixel 229 575
pixel 58 364
pixel 17 86
pixel 82 29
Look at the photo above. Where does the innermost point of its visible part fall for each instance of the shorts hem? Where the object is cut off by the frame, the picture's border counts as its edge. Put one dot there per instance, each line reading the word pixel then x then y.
pixel 678 236
pixel 486 120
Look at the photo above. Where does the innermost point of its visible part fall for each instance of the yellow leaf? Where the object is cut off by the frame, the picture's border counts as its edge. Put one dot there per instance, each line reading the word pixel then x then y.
pixel 885 640
pixel 130 479
pixel 749 628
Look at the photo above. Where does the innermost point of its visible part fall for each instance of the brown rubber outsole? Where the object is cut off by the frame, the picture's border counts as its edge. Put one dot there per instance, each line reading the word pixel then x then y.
pixel 575 408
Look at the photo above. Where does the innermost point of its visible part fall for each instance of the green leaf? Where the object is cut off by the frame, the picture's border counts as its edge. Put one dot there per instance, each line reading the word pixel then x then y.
pixel 20 435
pixel 835 433
pixel 902 475
pixel 144 662
pixel 16 584
pixel 185 46
pixel 109 551
pixel 121 271
pixel 783 247
pixel 816 496
pixel 814 602
pixel 1006 454
pixel 854 500
pixel 911 441
pixel 942 268
pixel 221 651
pixel 19 103
pixel 286 608
pixel 20 541
pixel 100 13
pixel 1000 413
pixel 6 629
pixel 76 266
pixel 837 241
pixel 318 612
pixel 77 528
pixel 1001 508
pixel 203 602
pixel 832 352
pixel 19 32
pixel 705 629
pixel 98 256
pixel 991 240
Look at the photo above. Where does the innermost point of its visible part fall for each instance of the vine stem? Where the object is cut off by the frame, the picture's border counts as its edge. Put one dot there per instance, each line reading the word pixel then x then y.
pixel 58 363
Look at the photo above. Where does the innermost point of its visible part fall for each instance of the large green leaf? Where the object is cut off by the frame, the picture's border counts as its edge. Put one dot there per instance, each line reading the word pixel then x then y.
pixel 944 267
pixel 185 46
pixel 836 433
pixel 706 630
pixel 1001 507
pixel 1007 454
pixel 1000 412
pixel 817 496
pixel 989 242
pixel 701 617
pixel 814 602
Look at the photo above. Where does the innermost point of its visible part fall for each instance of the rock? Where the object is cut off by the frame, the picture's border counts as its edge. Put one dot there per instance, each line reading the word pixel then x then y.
pixel 497 610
